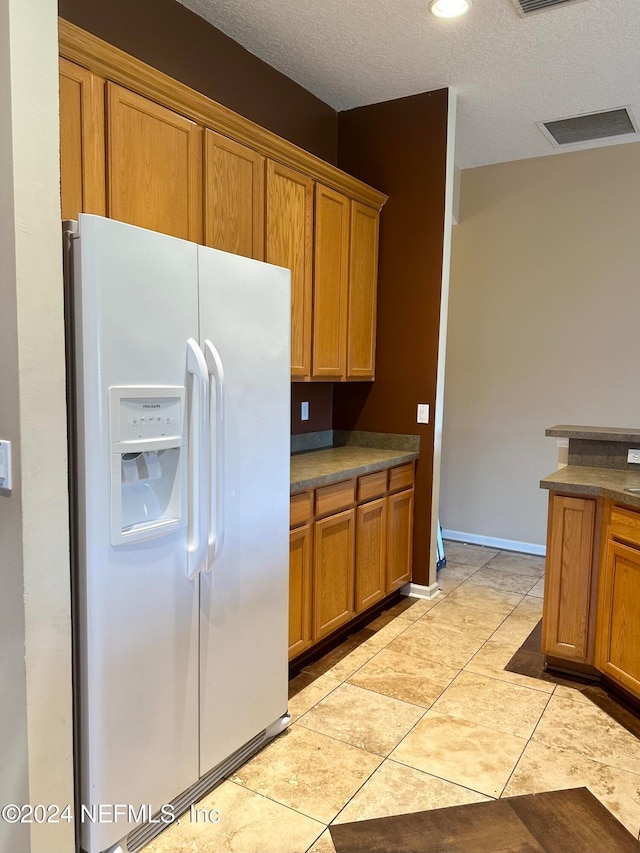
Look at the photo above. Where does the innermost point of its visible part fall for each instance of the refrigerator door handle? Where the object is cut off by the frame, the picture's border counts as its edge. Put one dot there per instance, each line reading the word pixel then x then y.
pixel 216 425
pixel 198 461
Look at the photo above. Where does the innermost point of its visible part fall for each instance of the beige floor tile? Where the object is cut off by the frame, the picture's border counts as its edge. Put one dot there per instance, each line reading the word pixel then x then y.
pixel 461 752
pixel 421 606
pixel 491 660
pixel 538 589
pixel 526 564
pixel 572 693
pixel 587 730
pixel 516 628
pixel 457 616
pixel 404 677
pixel 311 695
pixel 434 642
pixel 503 580
pixel 452 575
pixel 309 772
pixel 484 598
pixel 542 768
pixel 468 555
pixel 353 661
pixel 248 823
pixel 362 718
pixel 396 789
pixel 389 632
pixel 324 844
pixel 492 703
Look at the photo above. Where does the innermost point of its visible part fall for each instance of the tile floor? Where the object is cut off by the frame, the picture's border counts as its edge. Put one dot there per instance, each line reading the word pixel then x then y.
pixel 420 715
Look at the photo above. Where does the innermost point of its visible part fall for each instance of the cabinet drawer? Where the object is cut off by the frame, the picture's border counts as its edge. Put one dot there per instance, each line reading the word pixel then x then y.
pixel 330 499
pixel 625 524
pixel 401 477
pixel 300 508
pixel 372 486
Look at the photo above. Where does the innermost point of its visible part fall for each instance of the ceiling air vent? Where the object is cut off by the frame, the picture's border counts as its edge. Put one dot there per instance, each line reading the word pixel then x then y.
pixel 591 127
pixel 529 7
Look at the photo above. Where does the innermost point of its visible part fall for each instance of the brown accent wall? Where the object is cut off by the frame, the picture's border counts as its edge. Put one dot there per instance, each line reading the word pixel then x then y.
pixel 171 38
pixel 319 395
pixel 400 148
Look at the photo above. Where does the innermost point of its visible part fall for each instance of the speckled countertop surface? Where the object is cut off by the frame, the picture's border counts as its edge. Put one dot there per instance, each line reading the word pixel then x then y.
pixel 604 482
pixel 594 433
pixel 322 467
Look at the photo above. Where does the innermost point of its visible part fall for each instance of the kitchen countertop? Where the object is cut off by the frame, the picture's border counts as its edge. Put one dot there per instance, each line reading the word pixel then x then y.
pixel 323 467
pixel 594 433
pixel 604 482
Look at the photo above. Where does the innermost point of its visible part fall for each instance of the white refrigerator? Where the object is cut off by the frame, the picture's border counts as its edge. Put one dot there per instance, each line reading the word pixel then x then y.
pixel 180 355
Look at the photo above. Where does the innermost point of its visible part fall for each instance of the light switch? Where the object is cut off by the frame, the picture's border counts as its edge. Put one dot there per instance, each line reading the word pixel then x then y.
pixel 5 465
pixel 304 411
pixel 423 413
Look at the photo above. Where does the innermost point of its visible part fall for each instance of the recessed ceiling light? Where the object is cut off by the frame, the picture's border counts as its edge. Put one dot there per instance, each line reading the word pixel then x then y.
pixel 449 8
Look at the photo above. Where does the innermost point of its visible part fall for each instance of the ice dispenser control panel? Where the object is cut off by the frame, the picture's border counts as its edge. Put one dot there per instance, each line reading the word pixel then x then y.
pixel 140 419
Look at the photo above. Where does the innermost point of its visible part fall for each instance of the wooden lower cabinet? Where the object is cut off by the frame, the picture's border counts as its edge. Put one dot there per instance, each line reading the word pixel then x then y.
pixel 618 627
pixel 568 579
pixel 300 590
pixel 371 539
pixel 333 576
pixel 350 547
pixel 399 539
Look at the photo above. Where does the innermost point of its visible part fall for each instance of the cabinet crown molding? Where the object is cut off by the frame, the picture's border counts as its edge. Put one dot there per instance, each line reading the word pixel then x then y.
pixel 91 52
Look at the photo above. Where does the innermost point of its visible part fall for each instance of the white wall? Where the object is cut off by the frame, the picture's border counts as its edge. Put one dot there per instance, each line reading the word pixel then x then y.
pixel 35 709
pixel 544 318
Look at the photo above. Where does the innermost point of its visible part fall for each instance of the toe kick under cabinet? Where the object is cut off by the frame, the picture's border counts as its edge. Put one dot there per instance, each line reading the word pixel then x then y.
pixel 591 619
pixel 350 547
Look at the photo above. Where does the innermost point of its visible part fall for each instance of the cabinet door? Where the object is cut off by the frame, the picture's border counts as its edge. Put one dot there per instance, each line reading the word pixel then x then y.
pixel 155 166
pixel 371 541
pixel 82 150
pixel 330 270
pixel 363 284
pixel 233 197
pixel 399 539
pixel 333 566
pixel 618 628
pixel 289 237
pixel 300 581
pixel 567 599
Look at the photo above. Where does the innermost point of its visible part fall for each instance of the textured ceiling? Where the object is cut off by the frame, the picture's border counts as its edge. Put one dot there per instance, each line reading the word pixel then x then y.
pixel 510 72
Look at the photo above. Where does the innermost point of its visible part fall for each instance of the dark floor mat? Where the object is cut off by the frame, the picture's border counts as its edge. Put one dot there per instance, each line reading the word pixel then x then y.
pixel 570 821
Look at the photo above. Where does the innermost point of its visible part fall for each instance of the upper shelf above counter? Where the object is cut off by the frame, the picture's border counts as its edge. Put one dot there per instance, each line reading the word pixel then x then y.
pixel 591 433
pixel 597 463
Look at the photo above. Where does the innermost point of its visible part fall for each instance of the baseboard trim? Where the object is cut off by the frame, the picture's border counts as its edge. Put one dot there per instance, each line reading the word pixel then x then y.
pixel 494 542
pixel 418 590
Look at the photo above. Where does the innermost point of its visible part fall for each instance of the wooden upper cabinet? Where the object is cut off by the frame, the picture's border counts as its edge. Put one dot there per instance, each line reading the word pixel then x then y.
pixel 154 166
pixel 363 282
pixel 82 157
pixel 568 578
pixel 289 237
pixel 330 271
pixel 234 179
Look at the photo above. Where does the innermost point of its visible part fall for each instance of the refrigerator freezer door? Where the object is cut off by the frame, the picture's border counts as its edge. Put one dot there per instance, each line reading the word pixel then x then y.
pixel 244 313
pixel 135 306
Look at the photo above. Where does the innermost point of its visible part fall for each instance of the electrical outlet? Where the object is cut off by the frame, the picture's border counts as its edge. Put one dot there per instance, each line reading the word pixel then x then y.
pixel 423 413
pixel 304 411
pixel 633 456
